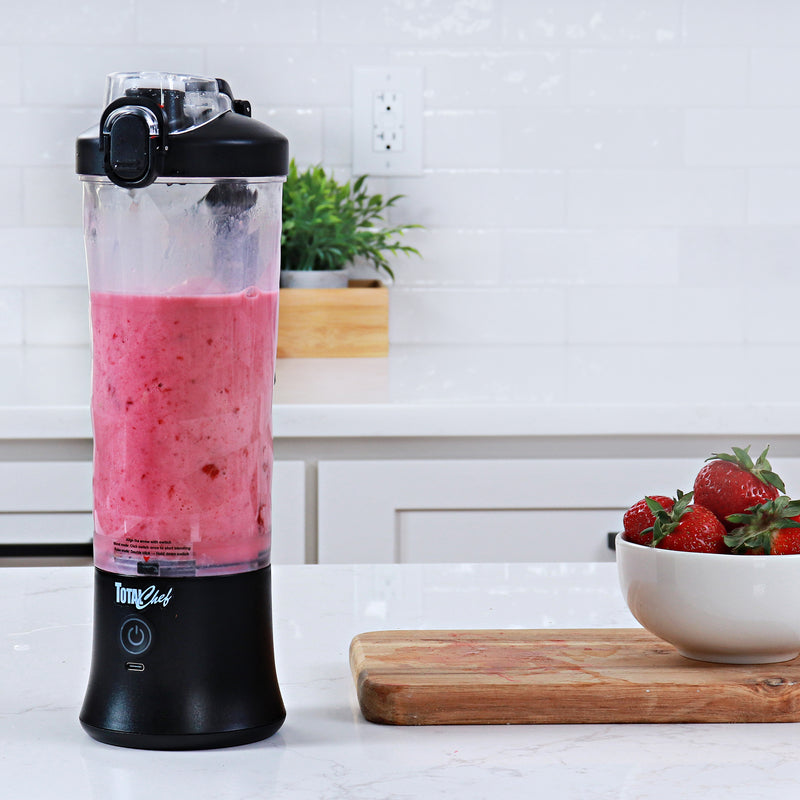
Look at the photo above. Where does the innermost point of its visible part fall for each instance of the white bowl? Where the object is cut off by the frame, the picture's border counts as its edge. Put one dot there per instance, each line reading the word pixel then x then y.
pixel 711 607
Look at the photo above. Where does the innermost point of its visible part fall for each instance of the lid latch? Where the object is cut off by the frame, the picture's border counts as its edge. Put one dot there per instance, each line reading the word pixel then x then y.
pixel 132 133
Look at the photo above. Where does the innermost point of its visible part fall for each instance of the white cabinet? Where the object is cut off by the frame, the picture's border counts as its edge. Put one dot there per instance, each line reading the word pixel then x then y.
pixel 478 510
pixel 289 513
pixel 45 502
pixel 50 502
pixel 483 510
pixel 485 535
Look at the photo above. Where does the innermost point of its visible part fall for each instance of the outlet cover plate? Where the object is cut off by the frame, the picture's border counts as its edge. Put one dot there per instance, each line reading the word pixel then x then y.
pixel 387 120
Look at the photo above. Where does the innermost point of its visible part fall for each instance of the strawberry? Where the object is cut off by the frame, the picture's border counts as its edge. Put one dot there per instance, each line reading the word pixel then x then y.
pixel 687 527
pixel 639 518
pixel 771 528
pixel 730 484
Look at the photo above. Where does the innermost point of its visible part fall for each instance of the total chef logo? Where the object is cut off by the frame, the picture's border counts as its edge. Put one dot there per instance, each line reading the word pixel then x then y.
pixel 142 598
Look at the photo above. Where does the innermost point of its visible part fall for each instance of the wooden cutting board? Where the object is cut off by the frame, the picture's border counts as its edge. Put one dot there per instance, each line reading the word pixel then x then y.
pixel 468 677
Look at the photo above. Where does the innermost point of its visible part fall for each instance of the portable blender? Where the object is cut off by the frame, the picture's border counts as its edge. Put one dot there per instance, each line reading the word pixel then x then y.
pixel 182 216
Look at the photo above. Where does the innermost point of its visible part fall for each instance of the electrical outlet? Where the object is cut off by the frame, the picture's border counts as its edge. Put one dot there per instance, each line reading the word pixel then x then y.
pixel 387 120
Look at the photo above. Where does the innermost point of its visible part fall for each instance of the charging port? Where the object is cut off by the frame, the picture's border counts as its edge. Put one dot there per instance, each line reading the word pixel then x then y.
pixel 134 666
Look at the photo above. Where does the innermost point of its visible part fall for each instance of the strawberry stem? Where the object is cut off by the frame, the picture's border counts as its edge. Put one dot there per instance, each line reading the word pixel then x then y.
pixel 758 526
pixel 667 520
pixel 761 469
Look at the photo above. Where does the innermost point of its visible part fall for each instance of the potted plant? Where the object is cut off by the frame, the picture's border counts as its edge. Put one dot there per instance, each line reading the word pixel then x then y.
pixel 327 226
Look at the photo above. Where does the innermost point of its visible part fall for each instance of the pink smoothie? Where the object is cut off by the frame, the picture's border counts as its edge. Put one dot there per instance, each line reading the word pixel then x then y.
pixel 181 407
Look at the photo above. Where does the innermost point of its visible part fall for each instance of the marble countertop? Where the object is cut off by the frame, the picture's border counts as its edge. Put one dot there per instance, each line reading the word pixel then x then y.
pixel 326 750
pixel 466 391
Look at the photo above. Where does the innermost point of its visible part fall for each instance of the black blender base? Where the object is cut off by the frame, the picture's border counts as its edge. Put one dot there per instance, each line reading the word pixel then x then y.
pixel 174 741
pixel 182 663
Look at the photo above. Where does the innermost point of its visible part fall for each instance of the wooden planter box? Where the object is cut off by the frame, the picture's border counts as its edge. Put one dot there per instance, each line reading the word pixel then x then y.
pixel 334 323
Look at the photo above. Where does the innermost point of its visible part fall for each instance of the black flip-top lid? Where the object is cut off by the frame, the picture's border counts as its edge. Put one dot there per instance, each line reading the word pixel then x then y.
pixel 163 125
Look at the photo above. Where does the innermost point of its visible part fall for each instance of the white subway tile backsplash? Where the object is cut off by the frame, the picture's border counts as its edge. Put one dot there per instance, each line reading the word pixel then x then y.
pixel 215 22
pixel 651 198
pixel 663 77
pixel 10 197
pixel 774 196
pixel 591 137
pixel 489 78
pixel 337 136
pixel 56 316
pixel 54 22
pixel 457 373
pixel 292 75
pixel 302 126
pixel 51 196
pixel 770 317
pixel 749 256
pixel 591 22
pixel 474 316
pixel 575 257
pixel 12 369
pixel 743 137
pixel 711 254
pixel 536 258
pixel 11 70
pixel 745 22
pixel 774 76
pixel 454 139
pixel 11 319
pixel 580 158
pixel 39 136
pixel 87 67
pixel 451 257
pixel 483 199
pixel 433 22
pixel 42 257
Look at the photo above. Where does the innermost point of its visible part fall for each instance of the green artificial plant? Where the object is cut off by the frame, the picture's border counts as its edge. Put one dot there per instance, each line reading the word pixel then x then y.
pixel 327 225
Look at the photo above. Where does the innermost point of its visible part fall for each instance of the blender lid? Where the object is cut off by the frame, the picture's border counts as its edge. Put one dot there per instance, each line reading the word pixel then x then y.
pixel 165 125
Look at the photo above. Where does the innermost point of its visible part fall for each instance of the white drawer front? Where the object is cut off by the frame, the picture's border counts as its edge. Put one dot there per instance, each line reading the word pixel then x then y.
pixel 484 510
pixel 37 486
pixel 508 536
pixel 69 528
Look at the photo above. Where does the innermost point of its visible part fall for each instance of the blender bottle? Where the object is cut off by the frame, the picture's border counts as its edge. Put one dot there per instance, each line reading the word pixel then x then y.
pixel 182 216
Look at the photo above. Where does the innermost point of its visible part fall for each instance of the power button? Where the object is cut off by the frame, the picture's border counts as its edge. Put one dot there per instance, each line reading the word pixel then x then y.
pixel 135 636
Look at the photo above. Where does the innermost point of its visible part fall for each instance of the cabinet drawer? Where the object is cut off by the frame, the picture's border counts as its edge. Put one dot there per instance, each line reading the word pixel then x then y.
pixel 509 535
pixel 46 505
pixel 483 510
pixel 71 528
pixel 45 486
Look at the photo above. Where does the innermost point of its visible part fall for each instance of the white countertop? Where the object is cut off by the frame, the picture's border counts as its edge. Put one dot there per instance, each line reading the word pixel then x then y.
pixel 465 391
pixel 326 750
